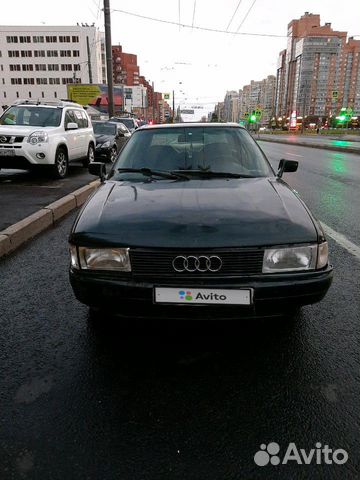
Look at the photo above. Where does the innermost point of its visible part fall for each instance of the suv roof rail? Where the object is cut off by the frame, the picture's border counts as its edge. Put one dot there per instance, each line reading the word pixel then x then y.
pixel 56 103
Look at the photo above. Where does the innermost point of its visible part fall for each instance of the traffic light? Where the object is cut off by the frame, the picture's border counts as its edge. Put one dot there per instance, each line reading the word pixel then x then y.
pixel 253 119
pixel 342 118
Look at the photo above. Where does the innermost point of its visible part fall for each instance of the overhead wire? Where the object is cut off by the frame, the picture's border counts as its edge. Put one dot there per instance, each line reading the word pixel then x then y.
pixel 245 17
pixel 233 15
pixel 193 17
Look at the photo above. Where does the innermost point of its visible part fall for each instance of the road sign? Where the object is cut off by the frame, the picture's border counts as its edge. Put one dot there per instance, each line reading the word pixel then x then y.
pixel 166 96
pixel 246 115
pixel 334 94
pixel 258 114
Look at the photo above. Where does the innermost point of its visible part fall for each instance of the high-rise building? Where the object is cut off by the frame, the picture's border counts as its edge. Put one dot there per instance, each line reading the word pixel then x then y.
pixel 259 95
pixel 319 72
pixel 38 62
pixel 231 106
pixel 125 68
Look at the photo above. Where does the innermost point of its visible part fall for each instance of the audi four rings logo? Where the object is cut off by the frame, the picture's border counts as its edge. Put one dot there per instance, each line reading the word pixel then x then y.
pixel 201 263
pixel 3 139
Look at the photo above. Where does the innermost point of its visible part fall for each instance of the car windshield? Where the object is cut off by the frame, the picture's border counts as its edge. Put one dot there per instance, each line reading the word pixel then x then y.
pixel 104 128
pixel 128 122
pixel 32 116
pixel 194 149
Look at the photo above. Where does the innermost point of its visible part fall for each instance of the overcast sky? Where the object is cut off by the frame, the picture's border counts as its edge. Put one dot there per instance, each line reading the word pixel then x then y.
pixel 206 63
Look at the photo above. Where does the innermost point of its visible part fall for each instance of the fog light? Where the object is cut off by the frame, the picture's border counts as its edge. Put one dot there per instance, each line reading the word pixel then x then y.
pixel 40 155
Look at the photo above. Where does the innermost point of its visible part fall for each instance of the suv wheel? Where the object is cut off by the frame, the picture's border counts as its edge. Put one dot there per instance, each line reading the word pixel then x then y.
pixel 90 156
pixel 61 165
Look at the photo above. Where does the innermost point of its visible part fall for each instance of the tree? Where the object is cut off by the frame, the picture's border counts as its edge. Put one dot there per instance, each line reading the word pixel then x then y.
pixel 214 117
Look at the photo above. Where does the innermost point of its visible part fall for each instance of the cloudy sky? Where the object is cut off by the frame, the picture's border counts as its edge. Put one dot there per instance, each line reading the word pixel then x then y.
pixel 206 63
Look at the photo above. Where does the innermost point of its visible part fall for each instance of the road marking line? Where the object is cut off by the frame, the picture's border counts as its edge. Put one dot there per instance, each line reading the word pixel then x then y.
pixel 293 154
pixel 342 240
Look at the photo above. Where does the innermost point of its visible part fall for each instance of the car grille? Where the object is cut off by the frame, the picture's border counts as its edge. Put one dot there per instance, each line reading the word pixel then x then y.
pixel 159 263
pixel 10 139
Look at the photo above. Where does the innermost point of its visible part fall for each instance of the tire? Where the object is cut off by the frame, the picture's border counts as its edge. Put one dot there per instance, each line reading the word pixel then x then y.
pixel 61 166
pixel 90 156
pixel 112 154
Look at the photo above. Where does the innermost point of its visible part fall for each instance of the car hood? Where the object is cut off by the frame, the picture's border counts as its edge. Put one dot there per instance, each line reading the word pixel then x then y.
pixel 20 130
pixel 102 138
pixel 194 214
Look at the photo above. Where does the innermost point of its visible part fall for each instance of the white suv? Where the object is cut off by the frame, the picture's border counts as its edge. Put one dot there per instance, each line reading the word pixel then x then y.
pixel 48 134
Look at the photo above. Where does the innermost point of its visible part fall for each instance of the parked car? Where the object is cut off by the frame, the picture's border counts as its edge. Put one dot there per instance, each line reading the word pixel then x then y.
pixel 130 123
pixel 47 135
pixel 193 220
pixel 110 138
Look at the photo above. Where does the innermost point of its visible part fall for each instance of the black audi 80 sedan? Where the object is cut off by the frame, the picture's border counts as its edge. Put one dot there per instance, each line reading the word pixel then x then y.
pixel 193 221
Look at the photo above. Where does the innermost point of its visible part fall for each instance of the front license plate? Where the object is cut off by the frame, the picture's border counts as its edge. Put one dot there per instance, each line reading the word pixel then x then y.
pixel 7 152
pixel 203 295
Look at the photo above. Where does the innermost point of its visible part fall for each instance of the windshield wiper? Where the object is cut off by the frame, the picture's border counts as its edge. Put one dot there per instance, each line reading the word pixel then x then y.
pixel 210 173
pixel 148 172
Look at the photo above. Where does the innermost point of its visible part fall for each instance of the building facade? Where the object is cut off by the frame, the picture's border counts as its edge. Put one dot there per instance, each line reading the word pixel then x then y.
pixel 318 73
pixel 38 62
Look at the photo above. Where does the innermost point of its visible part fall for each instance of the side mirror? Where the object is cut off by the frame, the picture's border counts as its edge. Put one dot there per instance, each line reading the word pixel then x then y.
pixel 72 126
pixel 98 169
pixel 120 134
pixel 287 166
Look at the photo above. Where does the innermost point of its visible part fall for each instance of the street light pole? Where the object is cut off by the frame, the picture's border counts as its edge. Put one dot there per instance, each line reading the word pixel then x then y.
pixel 109 62
pixel 173 92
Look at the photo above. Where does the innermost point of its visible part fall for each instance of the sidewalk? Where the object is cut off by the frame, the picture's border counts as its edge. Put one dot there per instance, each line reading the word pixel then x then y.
pixel 350 145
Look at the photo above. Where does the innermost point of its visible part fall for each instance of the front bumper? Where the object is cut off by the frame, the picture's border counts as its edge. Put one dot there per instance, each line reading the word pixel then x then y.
pixel 274 294
pixel 101 152
pixel 25 155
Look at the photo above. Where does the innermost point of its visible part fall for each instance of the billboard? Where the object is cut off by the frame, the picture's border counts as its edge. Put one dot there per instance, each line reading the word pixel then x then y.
pixel 95 95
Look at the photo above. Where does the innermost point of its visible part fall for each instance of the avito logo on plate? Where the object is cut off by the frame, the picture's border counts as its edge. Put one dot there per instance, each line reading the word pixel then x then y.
pixel 185 295
pixel 270 454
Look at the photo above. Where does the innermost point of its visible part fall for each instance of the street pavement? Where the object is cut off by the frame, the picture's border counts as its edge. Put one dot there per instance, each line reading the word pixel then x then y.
pixel 171 400
pixel 23 192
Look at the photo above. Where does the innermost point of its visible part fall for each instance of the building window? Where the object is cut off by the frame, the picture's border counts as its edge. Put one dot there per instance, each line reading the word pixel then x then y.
pixel 64 38
pixel 75 39
pixel 4 94
pixel 14 68
pixel 40 67
pixel 41 81
pixel 77 67
pixel 26 53
pixel 12 39
pixel 3 81
pixel 29 81
pixel 39 53
pixel 29 94
pixel 66 67
pixel 38 39
pixel 67 80
pixel 2 68
pixel 65 53
pixel 17 94
pixel 52 53
pixel 76 53
pixel 55 94
pixel 54 81
pixel 28 67
pixel 14 53
pixel 25 39
pixel 53 67
pixel 16 81
pixel 51 38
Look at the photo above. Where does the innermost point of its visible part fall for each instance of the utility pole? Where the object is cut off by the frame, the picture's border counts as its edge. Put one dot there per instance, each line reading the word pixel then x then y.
pixel 109 62
pixel 153 102
pixel 89 59
pixel 173 92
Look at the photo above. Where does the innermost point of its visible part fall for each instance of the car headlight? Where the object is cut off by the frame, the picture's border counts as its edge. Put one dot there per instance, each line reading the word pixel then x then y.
pixel 104 259
pixel 290 259
pixel 106 144
pixel 39 136
pixel 323 255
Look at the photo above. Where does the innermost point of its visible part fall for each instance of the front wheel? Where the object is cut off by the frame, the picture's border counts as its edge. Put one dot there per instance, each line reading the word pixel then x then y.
pixel 90 156
pixel 61 165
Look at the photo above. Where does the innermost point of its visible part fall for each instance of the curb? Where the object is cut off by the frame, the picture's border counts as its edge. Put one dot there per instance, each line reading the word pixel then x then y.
pixel 16 235
pixel 313 145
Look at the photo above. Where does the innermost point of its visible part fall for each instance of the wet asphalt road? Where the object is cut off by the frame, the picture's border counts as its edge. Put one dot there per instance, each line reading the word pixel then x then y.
pixel 23 192
pixel 178 400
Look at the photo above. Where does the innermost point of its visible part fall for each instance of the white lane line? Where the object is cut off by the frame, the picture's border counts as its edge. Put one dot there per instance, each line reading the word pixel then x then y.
pixel 342 240
pixel 293 154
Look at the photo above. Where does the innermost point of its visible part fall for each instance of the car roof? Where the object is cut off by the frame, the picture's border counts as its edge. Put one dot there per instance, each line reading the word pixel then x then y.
pixel 191 125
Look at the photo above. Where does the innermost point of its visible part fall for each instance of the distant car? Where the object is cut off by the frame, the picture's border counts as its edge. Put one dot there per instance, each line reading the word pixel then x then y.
pixel 130 123
pixel 110 138
pixel 193 221
pixel 36 134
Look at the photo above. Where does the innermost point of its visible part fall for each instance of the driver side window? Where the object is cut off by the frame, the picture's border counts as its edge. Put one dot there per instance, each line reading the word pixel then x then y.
pixel 69 118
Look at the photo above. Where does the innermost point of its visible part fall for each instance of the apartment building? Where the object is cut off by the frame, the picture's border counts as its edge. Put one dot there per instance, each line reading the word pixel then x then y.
pixel 38 62
pixel 319 72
